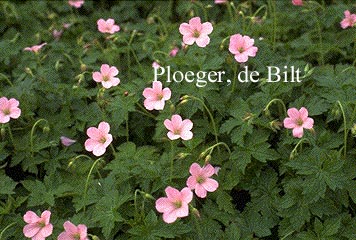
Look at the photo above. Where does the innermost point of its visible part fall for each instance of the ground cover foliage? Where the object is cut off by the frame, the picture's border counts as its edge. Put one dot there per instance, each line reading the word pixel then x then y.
pixel 272 185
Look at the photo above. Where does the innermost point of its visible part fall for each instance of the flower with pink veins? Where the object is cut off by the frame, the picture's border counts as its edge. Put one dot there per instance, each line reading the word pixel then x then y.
pixel 107 26
pixel 175 205
pixel 107 76
pixel 9 109
pixel 99 139
pixel 35 48
pixel 156 96
pixel 349 20
pixel 195 31
pixel 179 128
pixel 298 120
pixel 73 232
pixel 200 180
pixel 297 2
pixel 242 47
pixel 76 3
pixel 37 228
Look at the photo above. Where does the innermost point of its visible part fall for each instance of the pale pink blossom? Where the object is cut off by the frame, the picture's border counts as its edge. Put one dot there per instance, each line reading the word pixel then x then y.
pixel 66 25
pixel 37 228
pixel 349 20
pixel 67 141
pixel 298 120
pixel 57 33
pixel 220 1
pixel 242 47
pixel 216 170
pixel 155 65
pixel 195 31
pixel 73 232
pixel 174 52
pixel 107 26
pixel 156 96
pixel 35 48
pixel 175 205
pixel 9 109
pixel 179 128
pixel 76 3
pixel 99 139
pixel 107 76
pixel 200 180
pixel 297 2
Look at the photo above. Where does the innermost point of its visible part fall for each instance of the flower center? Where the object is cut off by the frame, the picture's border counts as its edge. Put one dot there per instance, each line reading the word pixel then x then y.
pixel 177 204
pixel 42 224
pixel 76 236
pixel 200 179
pixel 299 122
pixel 159 96
pixel 102 140
pixel 106 78
pixel 196 33
pixel 176 132
pixel 241 49
pixel 6 111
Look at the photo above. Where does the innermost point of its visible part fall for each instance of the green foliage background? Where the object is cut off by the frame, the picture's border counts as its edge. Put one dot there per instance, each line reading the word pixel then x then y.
pixel 272 186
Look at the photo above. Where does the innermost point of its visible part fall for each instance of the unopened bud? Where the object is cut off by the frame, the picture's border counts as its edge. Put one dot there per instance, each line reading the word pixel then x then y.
pixel 275 125
pixel 83 67
pixel 93 237
pixel 207 159
pixel 28 71
pixel 353 130
pixel 172 108
pixel 149 196
pixel 126 93
pixel 46 129
pixel 184 97
pixel 150 20
pixel 182 155
pixel 196 212
pixel 3 132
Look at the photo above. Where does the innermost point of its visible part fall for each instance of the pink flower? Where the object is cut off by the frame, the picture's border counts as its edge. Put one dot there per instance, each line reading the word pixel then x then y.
pixel 155 65
pixel 297 2
pixel 9 109
pixel 67 141
pixel 178 128
pixel 195 31
pixel 57 34
pixel 174 52
pixel 220 1
pixel 76 3
pixel 349 20
pixel 34 48
pixel 38 228
pixel 73 232
pixel 242 47
pixel 298 120
pixel 107 76
pixel 107 26
pixel 66 25
pixel 99 139
pixel 200 179
pixel 155 96
pixel 175 205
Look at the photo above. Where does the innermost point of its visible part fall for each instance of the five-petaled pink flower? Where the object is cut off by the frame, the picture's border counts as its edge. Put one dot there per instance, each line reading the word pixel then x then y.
pixel 349 20
pixel 156 96
pixel 200 180
pixel 37 228
pixel 107 26
pixel 242 47
pixel 298 120
pixel 297 2
pixel 9 109
pixel 99 139
pixel 73 232
pixel 195 31
pixel 175 205
pixel 76 3
pixel 107 76
pixel 66 141
pixel 178 128
pixel 155 65
pixel 35 48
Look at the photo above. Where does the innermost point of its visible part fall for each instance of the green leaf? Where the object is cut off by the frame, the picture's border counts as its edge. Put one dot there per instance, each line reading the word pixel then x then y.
pixel 7 185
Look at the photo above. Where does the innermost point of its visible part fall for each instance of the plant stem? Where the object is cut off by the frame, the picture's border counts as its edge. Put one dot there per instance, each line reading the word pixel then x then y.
pixel 276 100
pixel 11 136
pixel 7 227
pixel 145 112
pixel 235 78
pixel 33 131
pixel 172 162
pixel 211 148
pixel 87 182
pixel 345 127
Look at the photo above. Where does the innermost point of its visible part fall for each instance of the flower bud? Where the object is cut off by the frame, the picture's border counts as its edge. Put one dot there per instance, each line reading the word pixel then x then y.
pixel 3 132
pixel 275 125
pixel 83 67
pixel 46 129
pixel 207 159
pixel 196 212
pixel 353 130
pixel 172 108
